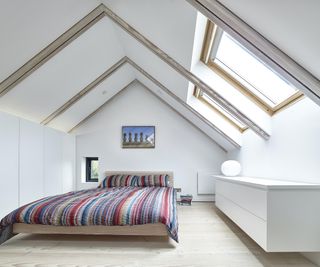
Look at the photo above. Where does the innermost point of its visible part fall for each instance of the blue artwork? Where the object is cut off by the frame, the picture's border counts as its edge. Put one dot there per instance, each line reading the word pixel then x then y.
pixel 138 136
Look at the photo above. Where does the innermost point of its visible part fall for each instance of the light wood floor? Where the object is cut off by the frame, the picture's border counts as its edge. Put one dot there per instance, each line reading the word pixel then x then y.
pixel 207 238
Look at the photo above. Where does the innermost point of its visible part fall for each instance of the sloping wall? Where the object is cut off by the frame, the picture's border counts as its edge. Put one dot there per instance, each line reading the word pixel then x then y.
pixel 180 147
pixel 292 153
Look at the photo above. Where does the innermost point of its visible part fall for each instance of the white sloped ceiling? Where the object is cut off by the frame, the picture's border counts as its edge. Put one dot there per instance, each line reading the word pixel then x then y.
pixel 94 99
pixel 64 75
pixel 92 53
pixel 169 24
pixel 27 27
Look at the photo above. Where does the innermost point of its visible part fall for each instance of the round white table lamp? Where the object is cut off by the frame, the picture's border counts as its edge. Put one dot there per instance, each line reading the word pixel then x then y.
pixel 231 168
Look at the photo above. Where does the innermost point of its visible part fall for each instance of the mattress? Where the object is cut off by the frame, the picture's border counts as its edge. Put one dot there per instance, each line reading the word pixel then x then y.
pixel 101 206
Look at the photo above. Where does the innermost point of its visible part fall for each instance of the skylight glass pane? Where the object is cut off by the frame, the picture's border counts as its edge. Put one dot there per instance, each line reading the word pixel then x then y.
pixel 215 105
pixel 251 72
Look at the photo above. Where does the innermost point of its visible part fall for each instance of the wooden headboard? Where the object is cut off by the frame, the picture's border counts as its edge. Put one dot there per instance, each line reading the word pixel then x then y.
pixel 170 173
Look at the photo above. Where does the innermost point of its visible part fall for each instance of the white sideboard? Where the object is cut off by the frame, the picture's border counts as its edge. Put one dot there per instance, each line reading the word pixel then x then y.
pixel 281 216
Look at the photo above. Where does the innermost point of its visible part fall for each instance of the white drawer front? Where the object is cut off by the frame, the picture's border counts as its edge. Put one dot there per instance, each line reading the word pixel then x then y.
pixel 251 199
pixel 255 227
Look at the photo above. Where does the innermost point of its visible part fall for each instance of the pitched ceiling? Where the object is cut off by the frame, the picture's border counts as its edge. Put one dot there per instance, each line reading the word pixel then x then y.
pixel 28 26
pixel 63 75
pixel 82 71
pixel 87 56
pixel 101 60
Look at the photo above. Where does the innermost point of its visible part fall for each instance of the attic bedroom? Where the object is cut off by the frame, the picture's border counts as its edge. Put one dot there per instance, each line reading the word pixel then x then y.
pixel 159 133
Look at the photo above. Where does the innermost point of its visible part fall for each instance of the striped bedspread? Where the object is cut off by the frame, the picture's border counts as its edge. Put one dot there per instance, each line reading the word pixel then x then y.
pixel 102 206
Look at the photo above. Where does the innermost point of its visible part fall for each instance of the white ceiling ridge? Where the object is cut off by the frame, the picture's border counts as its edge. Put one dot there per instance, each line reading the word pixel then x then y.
pixel 89 21
pixel 266 51
pixel 117 66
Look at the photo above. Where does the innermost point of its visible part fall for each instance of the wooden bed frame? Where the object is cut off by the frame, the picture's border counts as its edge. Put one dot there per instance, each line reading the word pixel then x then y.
pixel 156 229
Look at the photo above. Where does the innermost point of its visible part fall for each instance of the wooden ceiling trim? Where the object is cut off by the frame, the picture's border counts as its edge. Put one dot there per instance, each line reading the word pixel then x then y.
pixel 85 91
pixel 171 95
pixel 163 101
pixel 236 145
pixel 52 49
pixel 90 20
pixel 188 75
pixel 183 103
pixel 102 106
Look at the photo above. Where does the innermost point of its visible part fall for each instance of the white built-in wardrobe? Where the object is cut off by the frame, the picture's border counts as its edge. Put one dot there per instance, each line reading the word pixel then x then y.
pixel 35 161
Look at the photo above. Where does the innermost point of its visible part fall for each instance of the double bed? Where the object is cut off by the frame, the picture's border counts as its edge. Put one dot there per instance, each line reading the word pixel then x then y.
pixel 125 203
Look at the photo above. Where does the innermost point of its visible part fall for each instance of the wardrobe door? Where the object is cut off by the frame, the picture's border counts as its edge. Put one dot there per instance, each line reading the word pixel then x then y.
pixel 53 162
pixel 68 158
pixel 9 163
pixel 31 162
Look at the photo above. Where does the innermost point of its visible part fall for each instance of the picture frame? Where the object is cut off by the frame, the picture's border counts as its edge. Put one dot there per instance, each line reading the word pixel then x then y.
pixel 138 136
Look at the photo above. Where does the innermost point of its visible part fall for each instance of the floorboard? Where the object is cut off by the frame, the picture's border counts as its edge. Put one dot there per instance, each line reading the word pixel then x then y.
pixel 207 238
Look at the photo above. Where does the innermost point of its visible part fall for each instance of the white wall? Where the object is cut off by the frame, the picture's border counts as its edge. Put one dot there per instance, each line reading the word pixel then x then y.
pixel 292 153
pixel 35 161
pixel 180 147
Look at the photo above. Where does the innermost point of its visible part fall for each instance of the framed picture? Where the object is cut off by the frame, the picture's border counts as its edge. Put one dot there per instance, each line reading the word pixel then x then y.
pixel 138 137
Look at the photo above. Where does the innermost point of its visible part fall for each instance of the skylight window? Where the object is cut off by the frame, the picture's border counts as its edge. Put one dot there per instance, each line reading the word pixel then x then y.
pixel 244 70
pixel 219 110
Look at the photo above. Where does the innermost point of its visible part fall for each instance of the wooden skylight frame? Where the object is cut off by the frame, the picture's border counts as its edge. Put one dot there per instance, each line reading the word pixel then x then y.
pixel 224 114
pixel 210 42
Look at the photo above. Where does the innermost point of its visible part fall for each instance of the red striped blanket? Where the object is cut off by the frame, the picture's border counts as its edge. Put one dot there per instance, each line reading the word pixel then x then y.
pixel 102 206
